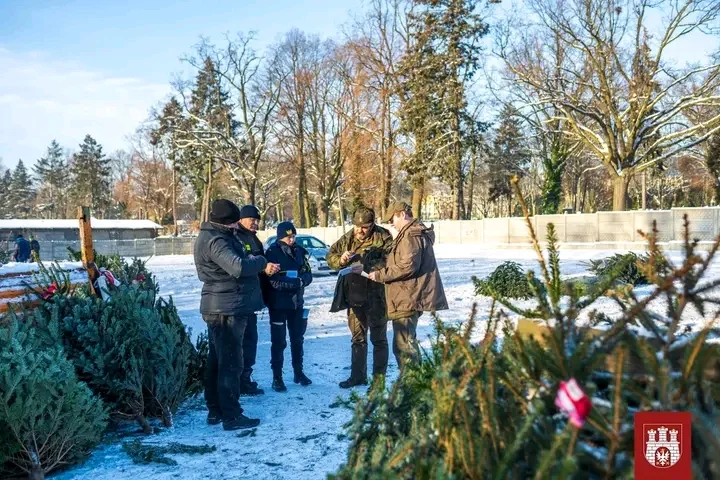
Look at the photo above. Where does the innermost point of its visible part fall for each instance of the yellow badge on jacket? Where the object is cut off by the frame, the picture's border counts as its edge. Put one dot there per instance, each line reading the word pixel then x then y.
pixel 248 247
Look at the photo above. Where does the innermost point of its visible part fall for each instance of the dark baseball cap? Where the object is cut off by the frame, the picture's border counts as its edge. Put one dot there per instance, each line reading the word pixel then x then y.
pixel 394 208
pixel 364 216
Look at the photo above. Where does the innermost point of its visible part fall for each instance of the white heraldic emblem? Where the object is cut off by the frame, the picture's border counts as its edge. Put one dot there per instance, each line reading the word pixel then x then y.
pixel 662 444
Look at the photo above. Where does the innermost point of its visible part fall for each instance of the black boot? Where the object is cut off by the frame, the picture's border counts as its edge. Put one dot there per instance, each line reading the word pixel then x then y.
pixel 214 418
pixel 301 378
pixel 358 367
pixel 278 385
pixel 351 382
pixel 248 387
pixel 240 422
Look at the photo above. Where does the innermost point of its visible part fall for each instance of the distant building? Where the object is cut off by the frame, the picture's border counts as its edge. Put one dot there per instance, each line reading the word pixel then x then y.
pixel 69 229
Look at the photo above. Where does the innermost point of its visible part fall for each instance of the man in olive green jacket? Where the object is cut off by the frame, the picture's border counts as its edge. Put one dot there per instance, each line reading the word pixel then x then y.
pixel 367 246
pixel 411 278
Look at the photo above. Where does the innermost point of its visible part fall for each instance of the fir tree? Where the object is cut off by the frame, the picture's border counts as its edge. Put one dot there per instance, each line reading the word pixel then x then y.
pixel 509 157
pixel 488 410
pixel 21 193
pixel 553 168
pixel 53 175
pixel 201 132
pixel 90 170
pixel 5 182
pixel 48 419
pixel 441 60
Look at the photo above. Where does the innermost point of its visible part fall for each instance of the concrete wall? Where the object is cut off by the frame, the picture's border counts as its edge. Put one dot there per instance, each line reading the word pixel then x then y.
pixel 602 230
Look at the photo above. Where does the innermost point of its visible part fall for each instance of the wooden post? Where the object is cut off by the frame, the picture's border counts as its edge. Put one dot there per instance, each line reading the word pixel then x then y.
pixel 86 247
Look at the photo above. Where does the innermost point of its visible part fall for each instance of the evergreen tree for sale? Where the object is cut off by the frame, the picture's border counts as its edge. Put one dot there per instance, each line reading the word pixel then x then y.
pixel 48 419
pixel 53 176
pixel 495 409
pixel 20 193
pixel 133 351
pixel 90 170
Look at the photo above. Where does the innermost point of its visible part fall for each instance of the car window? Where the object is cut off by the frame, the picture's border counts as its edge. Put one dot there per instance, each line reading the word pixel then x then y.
pixel 315 243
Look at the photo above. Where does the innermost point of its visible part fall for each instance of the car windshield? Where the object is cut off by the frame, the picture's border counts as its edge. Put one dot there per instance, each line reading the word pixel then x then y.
pixel 305 242
pixel 310 242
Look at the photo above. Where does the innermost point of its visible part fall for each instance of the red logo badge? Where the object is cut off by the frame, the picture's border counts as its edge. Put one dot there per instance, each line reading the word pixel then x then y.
pixel 662 445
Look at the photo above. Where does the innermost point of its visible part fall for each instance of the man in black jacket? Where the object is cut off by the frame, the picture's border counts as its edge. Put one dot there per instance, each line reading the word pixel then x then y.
pixel 230 294
pixel 247 234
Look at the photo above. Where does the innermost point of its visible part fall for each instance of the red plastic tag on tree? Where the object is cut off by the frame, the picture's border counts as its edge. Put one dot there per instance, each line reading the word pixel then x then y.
pixel 572 400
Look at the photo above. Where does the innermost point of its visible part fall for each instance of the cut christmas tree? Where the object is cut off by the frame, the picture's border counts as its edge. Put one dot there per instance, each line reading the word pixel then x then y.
pixel 48 419
pixel 560 403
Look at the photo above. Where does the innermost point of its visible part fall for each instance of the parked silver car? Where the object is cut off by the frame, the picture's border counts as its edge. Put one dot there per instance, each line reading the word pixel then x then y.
pixel 316 248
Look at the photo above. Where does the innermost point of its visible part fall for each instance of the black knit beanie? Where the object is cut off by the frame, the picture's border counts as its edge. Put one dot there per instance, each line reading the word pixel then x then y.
pixel 285 229
pixel 224 212
pixel 250 211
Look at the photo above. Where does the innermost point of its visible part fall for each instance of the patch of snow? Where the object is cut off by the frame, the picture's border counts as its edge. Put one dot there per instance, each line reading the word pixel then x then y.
pixel 16 268
pixel 301 434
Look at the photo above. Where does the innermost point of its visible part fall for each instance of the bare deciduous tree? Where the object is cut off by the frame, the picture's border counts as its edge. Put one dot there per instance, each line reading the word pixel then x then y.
pixel 615 90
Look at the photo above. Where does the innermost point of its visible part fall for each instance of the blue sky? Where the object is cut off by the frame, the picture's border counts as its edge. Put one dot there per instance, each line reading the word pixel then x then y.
pixel 76 67
pixel 68 68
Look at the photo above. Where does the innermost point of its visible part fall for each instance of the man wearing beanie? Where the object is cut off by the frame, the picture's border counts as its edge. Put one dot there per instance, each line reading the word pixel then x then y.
pixel 285 303
pixel 229 297
pixel 247 235
pixel 367 244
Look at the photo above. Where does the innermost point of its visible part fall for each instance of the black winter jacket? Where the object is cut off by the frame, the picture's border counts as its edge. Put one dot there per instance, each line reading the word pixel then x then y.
pixel 253 246
pixel 229 274
pixel 286 293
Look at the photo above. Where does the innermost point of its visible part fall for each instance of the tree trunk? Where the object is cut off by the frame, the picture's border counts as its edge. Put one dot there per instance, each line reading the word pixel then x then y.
pixel 36 473
pixel 324 213
pixel 471 188
pixel 644 191
pixel 388 159
pixel 459 200
pixel 341 211
pixel 302 210
pixel 146 427
pixel 417 198
pixel 620 192
pixel 174 198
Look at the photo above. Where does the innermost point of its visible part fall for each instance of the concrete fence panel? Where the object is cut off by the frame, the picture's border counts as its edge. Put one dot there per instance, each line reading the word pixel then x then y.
pixel 518 230
pixel 542 222
pixel 644 222
pixel 615 226
pixel 495 230
pixel 471 231
pixel 581 228
pixel 703 223
pixel 448 231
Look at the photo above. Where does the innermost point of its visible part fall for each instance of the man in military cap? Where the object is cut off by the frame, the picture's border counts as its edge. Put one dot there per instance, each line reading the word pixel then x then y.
pixel 411 278
pixel 366 245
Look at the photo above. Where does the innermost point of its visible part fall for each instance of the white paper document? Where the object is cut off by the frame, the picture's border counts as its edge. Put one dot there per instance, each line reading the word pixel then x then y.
pixel 350 269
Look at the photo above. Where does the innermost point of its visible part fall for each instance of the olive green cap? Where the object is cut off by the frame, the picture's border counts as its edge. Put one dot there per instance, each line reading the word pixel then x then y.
pixel 394 208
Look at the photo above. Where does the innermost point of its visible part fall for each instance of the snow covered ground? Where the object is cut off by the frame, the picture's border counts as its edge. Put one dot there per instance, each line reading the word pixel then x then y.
pixel 301 431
